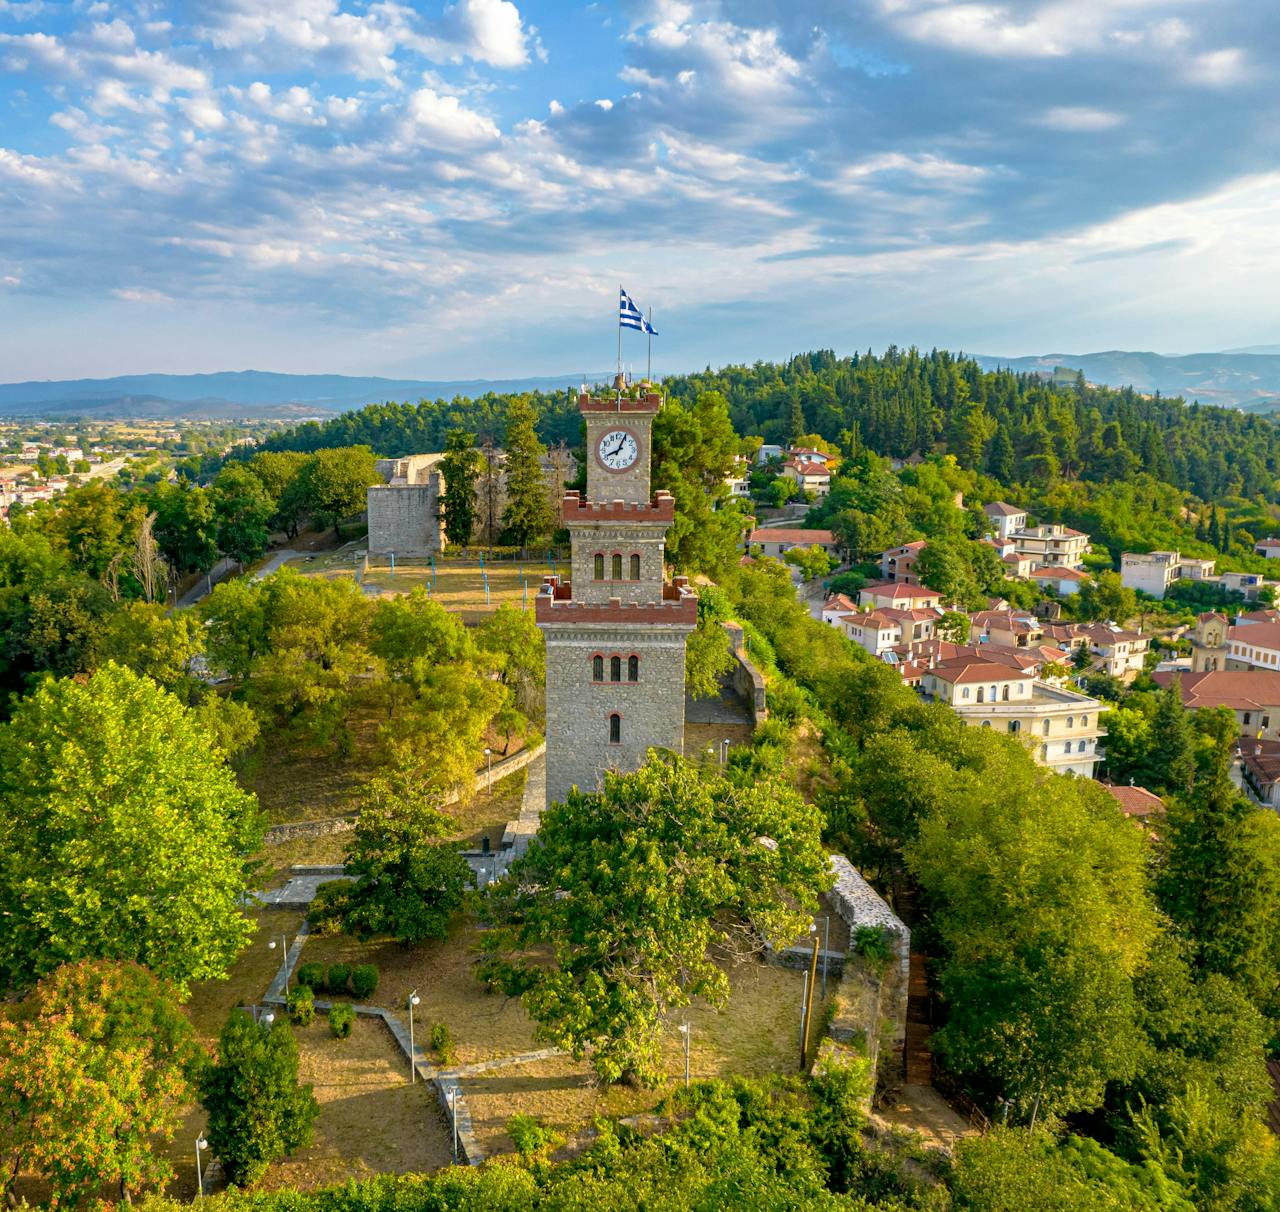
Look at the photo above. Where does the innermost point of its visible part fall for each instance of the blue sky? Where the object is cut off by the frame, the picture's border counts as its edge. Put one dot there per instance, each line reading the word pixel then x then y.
pixel 456 190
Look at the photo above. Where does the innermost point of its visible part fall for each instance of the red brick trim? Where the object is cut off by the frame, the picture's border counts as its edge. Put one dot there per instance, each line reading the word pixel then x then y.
pixel 684 612
pixel 650 403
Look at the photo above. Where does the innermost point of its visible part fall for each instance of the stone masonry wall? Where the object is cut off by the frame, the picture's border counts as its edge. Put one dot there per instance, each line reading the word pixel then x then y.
pixel 652 709
pixel 648 543
pixel 748 681
pixel 632 484
pixel 886 995
pixel 405 518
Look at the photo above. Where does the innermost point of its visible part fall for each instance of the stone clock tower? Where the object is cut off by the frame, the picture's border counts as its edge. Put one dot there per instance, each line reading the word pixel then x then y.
pixel 616 632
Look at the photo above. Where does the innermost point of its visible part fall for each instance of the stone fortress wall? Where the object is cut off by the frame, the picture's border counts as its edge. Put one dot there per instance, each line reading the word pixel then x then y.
pixel 404 512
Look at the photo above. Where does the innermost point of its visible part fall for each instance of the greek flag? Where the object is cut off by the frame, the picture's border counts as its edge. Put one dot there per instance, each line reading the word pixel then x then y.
pixel 630 316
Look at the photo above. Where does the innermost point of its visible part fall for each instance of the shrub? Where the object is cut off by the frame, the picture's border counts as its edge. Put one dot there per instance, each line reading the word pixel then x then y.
pixel 442 1042
pixel 311 976
pixel 339 978
pixel 342 1017
pixel 364 981
pixel 302 1005
pixel 531 1137
pixel 327 912
pixel 870 943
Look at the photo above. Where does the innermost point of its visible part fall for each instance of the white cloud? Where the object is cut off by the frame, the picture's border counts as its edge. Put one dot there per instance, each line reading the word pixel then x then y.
pixel 490 31
pixel 203 112
pixel 1219 68
pixel 142 295
pixel 1079 118
pixel 445 121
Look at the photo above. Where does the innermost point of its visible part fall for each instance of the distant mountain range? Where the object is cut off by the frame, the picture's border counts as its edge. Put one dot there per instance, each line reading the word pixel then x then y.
pixel 1246 378
pixel 1238 378
pixel 243 393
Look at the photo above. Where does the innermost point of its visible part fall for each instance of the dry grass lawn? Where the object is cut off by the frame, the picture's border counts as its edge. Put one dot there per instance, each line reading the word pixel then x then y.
pixel 458 585
pixel 212 1001
pixel 758 1032
pixel 487 812
pixel 371 1119
pixel 483 1024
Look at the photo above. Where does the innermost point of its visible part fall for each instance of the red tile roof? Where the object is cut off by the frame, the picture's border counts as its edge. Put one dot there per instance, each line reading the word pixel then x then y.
pixel 1239 689
pixel 970 670
pixel 780 534
pixel 898 589
pixel 1260 635
pixel 807 467
pixel 1060 574
pixel 1136 801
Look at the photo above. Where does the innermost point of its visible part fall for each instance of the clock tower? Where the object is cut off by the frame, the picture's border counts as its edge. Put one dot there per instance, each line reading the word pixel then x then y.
pixel 616 632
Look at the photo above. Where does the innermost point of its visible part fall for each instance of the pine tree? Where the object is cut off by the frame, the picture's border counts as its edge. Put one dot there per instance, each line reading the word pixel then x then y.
pixel 528 513
pixel 461 470
pixel 1000 458
pixel 1171 765
pixel 257 1110
pixel 795 420
pixel 1215 535
pixel 1220 879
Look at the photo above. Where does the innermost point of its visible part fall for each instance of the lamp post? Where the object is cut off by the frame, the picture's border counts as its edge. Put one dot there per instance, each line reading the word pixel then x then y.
pixel 201 1144
pixel 488 762
pixel 724 752
pixel 453 1107
pixel 414 999
pixel 826 949
pixel 267 1019
pixel 284 959
pixel 684 1030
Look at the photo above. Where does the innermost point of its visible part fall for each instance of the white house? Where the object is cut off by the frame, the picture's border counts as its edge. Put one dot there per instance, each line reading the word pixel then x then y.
pixel 1065 581
pixel 898 595
pixel 1153 572
pixel 1051 545
pixel 767 452
pixel 1061 727
pixel 809 474
pixel 776 541
pixel 1270 548
pixel 1004 519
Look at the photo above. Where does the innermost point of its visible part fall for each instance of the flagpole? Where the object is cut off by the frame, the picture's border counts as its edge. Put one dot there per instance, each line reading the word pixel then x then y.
pixel 619 334
pixel 648 374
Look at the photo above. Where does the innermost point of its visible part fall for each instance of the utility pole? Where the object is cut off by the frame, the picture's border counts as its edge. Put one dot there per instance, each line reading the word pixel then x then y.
pixel 812 986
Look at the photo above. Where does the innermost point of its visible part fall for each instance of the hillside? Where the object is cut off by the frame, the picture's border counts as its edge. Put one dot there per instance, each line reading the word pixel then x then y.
pixel 237 393
pixel 1248 379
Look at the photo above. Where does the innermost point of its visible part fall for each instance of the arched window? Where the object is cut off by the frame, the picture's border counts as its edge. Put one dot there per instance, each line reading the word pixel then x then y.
pixel 617 567
pixel 1080 747
pixel 1045 728
pixel 1071 721
pixel 615 669
pixel 599 567
pixel 1004 693
pixel 980 695
pixel 615 729
pixel 964 693
pixel 1084 721
pixel 993 694
pixel 986 723
pixel 597 668
pixel 1015 725
pixel 633 669
pixel 1066 748
pixel 1044 753
pixel 635 567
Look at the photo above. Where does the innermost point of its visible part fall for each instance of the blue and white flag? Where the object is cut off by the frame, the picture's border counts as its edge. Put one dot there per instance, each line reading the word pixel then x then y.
pixel 630 316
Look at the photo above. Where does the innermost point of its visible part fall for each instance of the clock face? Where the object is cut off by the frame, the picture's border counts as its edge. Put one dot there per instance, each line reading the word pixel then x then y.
pixel 618 449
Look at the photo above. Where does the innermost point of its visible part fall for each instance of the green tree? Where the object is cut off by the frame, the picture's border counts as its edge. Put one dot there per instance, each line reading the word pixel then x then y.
pixel 942 566
pixel 461 470
pixel 94 1067
pixel 511 644
pixel 335 482
pixel 813 561
pixel 1220 880
pixel 528 515
pixel 1105 597
pixel 258 1112
pixel 145 638
pixel 615 915
pixel 186 526
pixel 1171 761
pixel 243 509
pixel 124 834
pixel 953 626
pixel 409 880
pixel 694 447
pixel 1041 906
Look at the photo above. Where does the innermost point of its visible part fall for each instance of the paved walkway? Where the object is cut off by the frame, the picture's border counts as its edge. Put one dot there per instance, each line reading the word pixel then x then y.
pixel 201 589
pixel 922 1109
